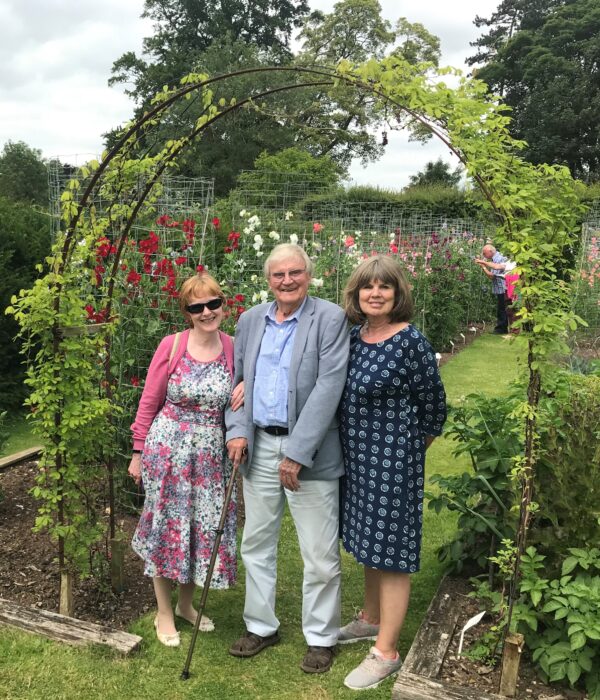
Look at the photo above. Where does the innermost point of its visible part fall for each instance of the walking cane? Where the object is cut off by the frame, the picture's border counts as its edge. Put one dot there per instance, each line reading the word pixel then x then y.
pixel 185 674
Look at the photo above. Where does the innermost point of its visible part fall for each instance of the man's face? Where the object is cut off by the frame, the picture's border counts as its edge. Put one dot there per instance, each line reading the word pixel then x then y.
pixel 289 280
pixel 488 253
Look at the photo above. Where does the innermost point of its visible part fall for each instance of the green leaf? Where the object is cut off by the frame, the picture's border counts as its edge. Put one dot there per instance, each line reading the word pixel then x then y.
pixel 573 672
pixel 569 564
pixel 551 606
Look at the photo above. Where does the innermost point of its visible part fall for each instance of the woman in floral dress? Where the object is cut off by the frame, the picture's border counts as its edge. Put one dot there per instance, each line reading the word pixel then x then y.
pixel 179 456
pixel 392 408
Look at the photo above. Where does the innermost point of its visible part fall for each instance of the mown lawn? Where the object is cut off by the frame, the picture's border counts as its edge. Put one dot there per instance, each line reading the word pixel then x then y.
pixel 20 437
pixel 32 668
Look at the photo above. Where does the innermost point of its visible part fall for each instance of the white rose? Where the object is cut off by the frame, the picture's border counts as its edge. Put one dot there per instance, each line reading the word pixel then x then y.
pixel 274 235
pixel 243 213
pixel 264 296
pixel 258 239
pixel 317 282
pixel 294 239
pixel 289 215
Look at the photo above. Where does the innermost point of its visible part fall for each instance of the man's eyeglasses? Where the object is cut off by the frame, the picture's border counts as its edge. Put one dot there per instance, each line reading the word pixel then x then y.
pixel 292 274
pixel 199 308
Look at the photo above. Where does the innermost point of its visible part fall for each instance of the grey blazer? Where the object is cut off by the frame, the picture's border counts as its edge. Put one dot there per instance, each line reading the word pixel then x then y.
pixel 316 380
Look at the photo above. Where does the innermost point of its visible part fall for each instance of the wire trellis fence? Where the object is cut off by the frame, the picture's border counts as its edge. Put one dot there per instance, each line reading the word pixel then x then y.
pixel 159 253
pixel 586 285
pixel 450 291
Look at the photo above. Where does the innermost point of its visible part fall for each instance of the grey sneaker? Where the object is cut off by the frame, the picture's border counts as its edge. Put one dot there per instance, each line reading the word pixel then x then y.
pixel 358 631
pixel 371 672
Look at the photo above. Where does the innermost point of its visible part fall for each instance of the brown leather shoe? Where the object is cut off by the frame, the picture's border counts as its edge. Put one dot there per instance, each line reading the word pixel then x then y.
pixel 251 644
pixel 318 659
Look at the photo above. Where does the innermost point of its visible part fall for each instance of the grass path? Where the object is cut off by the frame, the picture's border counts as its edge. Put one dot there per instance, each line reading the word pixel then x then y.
pixel 32 668
pixel 20 437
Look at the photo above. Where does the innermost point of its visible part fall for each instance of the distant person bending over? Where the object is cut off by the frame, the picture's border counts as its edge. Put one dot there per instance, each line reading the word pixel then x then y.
pixel 493 264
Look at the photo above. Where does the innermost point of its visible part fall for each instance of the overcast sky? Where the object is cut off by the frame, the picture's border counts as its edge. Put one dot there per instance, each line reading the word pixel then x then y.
pixel 56 58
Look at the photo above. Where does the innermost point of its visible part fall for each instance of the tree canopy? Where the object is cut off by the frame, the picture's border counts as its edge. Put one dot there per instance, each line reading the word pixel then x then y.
pixel 185 29
pixel 436 173
pixel 509 17
pixel 545 64
pixel 333 122
pixel 23 174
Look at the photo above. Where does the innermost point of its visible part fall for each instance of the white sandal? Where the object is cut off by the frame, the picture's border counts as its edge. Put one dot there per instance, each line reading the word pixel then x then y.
pixel 169 640
pixel 206 624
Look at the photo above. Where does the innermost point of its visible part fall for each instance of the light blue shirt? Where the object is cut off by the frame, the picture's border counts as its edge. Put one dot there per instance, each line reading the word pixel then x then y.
pixel 271 382
pixel 498 283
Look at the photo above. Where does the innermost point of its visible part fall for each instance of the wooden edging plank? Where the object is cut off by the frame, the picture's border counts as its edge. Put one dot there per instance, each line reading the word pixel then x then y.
pixel 426 654
pixel 23 456
pixel 66 629
pixel 409 686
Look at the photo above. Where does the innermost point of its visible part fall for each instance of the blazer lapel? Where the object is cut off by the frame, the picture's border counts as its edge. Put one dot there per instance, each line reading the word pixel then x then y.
pixel 304 323
pixel 255 333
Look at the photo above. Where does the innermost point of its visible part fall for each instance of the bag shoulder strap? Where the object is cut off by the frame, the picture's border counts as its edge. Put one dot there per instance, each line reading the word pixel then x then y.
pixel 174 349
pixel 228 348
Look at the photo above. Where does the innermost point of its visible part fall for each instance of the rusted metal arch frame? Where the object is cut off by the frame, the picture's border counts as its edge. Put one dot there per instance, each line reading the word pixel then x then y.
pixel 327 73
pixel 332 77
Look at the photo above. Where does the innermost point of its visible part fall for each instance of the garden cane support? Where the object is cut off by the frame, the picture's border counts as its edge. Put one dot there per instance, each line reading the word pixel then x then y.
pixel 511 658
pixel 185 674
pixel 66 605
pixel 117 564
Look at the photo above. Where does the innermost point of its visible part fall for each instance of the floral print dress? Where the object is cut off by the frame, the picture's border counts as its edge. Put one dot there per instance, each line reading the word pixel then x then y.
pixel 185 474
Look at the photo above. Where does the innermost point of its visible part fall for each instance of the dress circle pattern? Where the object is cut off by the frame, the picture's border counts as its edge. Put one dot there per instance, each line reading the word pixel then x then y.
pixel 393 398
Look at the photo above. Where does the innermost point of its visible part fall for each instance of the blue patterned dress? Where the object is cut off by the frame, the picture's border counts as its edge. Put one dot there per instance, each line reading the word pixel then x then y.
pixel 185 475
pixel 393 398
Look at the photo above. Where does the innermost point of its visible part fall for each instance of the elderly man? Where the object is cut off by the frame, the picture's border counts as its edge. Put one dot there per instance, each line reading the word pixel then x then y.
pixel 493 264
pixel 292 356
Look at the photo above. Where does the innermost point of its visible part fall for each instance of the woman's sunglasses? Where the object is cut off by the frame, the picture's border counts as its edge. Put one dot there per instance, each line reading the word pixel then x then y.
pixel 199 308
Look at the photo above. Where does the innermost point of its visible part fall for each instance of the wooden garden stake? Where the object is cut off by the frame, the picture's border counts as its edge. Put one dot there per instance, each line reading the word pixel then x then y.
pixel 66 606
pixel 117 556
pixel 511 658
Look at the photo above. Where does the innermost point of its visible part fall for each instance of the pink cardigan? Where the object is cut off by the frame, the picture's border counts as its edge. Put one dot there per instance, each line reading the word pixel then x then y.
pixel 155 388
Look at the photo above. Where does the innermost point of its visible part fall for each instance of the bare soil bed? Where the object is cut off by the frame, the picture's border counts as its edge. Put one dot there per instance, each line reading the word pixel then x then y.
pixel 29 573
pixel 464 671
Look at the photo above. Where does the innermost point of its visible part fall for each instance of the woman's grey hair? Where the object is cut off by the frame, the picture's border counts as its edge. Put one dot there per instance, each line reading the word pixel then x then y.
pixel 284 251
pixel 379 268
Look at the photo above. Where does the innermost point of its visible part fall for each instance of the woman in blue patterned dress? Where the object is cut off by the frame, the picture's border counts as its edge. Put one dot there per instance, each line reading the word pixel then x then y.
pixel 392 408
pixel 179 455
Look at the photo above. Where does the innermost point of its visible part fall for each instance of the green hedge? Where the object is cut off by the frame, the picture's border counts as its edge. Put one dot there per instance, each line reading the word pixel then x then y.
pixel 568 472
pixel 24 242
pixel 434 201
